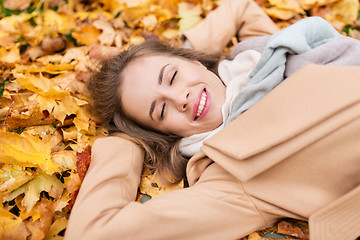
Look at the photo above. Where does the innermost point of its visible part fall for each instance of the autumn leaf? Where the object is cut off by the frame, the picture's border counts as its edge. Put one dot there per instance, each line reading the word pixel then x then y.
pixel 189 15
pixel 9 56
pixel 87 35
pixel 27 151
pixel 153 187
pixel 12 227
pixel 12 177
pixel 83 162
pixel 56 227
pixel 41 85
pixel 42 182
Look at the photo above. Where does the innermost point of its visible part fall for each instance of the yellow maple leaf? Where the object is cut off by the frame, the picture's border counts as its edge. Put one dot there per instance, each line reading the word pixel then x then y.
pixel 87 35
pixel 12 177
pixel 189 15
pixel 69 133
pixel 56 227
pixel 82 120
pixel 27 151
pixel 42 182
pixel 11 226
pixel 66 159
pixel 152 187
pixel 49 68
pixel 40 85
pixel 135 11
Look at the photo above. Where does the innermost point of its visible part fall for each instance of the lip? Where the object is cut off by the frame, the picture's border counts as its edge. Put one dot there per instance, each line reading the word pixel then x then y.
pixel 206 107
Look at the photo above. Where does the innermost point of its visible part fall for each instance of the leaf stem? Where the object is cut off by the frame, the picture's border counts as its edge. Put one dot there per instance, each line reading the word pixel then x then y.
pixel 7 114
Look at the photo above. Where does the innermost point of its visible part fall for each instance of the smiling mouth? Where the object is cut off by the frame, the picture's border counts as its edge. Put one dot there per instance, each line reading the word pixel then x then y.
pixel 201 104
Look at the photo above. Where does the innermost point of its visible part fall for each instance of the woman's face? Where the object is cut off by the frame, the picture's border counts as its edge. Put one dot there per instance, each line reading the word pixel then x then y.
pixel 172 95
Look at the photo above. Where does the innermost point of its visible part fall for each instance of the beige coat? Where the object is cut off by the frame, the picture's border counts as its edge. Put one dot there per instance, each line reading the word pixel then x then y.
pixel 293 154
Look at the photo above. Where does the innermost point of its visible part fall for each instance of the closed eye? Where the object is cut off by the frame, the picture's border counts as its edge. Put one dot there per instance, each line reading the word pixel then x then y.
pixel 173 77
pixel 162 111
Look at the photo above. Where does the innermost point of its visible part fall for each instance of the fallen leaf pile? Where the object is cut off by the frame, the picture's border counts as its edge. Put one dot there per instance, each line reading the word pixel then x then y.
pixel 46 50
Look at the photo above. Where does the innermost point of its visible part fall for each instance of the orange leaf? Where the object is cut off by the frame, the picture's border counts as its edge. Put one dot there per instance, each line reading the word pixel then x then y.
pixel 83 162
pixel 88 35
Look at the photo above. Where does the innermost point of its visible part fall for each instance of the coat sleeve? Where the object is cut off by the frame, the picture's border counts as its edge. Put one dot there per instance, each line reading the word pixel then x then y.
pixel 215 208
pixel 241 18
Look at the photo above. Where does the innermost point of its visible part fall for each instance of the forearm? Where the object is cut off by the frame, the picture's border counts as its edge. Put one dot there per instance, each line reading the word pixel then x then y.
pixel 241 18
pixel 110 184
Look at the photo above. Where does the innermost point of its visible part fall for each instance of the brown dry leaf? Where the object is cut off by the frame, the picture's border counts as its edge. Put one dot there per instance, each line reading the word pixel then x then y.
pixel 51 45
pixel 289 228
pixel 27 119
pixel 39 227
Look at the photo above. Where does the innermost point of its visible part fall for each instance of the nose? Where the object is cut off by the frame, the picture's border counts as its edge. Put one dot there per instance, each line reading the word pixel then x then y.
pixel 180 99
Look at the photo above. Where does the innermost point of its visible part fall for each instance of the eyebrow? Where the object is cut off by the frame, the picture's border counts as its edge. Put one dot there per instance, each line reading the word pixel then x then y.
pixel 161 74
pixel 153 104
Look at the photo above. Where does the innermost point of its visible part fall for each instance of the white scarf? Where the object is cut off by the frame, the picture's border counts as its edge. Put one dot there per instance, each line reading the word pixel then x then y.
pixel 234 73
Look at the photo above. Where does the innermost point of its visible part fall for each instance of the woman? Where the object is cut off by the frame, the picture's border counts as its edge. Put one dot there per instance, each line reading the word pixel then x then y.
pixel 236 186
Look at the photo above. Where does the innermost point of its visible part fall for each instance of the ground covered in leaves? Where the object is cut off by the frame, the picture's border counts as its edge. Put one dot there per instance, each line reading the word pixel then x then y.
pixel 46 50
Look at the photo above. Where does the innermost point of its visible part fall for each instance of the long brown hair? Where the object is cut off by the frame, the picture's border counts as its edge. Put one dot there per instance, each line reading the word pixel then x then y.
pixel 162 153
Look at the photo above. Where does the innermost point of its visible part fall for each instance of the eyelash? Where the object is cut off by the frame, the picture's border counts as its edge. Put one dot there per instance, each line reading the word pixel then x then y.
pixel 164 105
pixel 162 111
pixel 173 77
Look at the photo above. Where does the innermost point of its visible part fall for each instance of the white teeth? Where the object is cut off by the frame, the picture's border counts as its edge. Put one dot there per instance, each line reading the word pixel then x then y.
pixel 201 104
